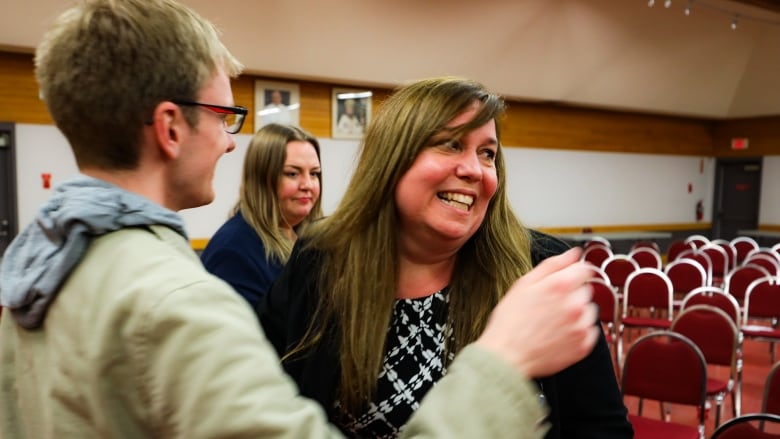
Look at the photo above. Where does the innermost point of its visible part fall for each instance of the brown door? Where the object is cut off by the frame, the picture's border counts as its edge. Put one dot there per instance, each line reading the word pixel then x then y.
pixel 737 195
pixel 8 219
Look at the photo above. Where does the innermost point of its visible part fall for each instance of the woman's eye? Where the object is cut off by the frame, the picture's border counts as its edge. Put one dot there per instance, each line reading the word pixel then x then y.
pixel 291 174
pixel 489 154
pixel 452 144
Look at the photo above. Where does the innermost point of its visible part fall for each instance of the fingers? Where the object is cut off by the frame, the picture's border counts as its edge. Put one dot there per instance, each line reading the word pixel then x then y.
pixel 553 264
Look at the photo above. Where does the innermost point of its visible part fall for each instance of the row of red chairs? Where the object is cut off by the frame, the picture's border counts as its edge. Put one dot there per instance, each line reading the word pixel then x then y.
pixel 671 367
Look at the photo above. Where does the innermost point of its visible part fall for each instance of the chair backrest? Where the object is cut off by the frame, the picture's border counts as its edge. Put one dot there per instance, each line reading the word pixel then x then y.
pixel 713 296
pixel 646 244
pixel 749 426
pixel 605 296
pixel 686 275
pixel 743 245
pixel 703 259
pixel 740 278
pixel 771 399
pixel 598 273
pixel 676 247
pixel 698 241
pixel 646 288
pixel 766 260
pixel 596 254
pixel 762 300
pixel 646 257
pixel 597 240
pixel 731 252
pixel 719 259
pixel 776 249
pixel 713 331
pixel 666 366
pixel 618 267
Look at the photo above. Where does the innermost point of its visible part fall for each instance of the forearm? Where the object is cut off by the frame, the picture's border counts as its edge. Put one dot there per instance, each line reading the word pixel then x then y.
pixel 481 396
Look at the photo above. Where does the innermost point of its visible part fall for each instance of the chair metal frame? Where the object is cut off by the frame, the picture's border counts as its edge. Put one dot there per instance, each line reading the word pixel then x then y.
pixel 646 257
pixel 653 297
pixel 596 249
pixel 659 356
pixel 770 401
pixel 762 302
pixel 741 427
pixel 719 339
pixel 740 278
pixel 743 245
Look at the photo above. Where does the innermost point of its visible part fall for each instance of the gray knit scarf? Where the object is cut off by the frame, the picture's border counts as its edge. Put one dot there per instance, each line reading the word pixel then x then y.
pixel 41 258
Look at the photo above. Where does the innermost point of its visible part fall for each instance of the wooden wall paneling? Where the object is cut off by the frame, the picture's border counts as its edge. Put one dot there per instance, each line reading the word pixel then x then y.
pixel 541 125
pixel 244 95
pixel 559 127
pixel 19 101
pixel 763 134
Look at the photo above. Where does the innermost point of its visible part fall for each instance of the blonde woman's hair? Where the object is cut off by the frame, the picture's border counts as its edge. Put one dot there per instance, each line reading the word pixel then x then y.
pixel 106 64
pixel 358 242
pixel 258 199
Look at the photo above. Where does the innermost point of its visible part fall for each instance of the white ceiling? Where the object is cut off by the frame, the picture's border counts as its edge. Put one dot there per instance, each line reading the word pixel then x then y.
pixel 605 53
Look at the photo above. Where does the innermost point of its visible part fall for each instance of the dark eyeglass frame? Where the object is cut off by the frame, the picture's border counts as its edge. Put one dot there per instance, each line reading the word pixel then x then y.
pixel 239 111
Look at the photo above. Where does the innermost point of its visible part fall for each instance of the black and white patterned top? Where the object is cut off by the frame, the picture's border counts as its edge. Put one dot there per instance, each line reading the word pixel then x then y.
pixel 412 365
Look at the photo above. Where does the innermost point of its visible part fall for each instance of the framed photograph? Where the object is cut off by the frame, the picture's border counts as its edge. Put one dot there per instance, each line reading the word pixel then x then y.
pixel 351 112
pixel 276 102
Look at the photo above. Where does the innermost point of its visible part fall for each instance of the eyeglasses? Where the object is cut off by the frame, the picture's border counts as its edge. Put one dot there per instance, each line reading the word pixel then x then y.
pixel 232 117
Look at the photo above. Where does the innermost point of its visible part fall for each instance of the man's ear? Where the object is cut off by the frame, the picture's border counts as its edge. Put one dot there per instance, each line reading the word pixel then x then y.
pixel 170 127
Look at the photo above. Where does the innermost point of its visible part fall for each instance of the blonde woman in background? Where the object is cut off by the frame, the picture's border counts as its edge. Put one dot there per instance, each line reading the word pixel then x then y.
pixel 279 196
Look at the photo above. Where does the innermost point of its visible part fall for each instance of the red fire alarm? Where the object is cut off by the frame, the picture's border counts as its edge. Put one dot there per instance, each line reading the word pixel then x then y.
pixel 739 143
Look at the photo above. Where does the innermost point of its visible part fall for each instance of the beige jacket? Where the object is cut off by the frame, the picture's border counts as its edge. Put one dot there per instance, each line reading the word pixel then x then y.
pixel 142 342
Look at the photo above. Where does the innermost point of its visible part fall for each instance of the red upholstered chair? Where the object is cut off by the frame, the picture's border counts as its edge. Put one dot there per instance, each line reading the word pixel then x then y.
pixel 596 254
pixel 605 296
pixel 703 259
pixel 731 252
pixel 770 403
pixel 647 291
pixel 618 267
pixel 741 277
pixel 743 245
pixel 597 240
pixel 750 426
pixel 714 296
pixel 646 257
pixel 698 241
pixel 715 333
pixel 720 263
pixel 762 304
pixel 766 260
pixel 598 273
pixel 666 367
pixel 685 275
pixel 646 244
pixel 676 247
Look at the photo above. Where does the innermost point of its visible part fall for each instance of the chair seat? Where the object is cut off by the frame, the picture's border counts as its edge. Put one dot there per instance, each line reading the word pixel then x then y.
pixel 646 428
pixel 715 386
pixel 646 322
pixel 760 331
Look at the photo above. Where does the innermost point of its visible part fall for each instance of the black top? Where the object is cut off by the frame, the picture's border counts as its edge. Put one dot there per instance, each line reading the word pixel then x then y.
pixel 584 399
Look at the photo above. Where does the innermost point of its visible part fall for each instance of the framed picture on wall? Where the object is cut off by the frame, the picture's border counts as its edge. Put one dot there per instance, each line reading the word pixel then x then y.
pixel 276 102
pixel 351 112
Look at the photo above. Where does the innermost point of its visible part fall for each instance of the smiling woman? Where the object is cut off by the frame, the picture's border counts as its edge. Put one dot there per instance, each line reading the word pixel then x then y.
pixel 279 196
pixel 426 244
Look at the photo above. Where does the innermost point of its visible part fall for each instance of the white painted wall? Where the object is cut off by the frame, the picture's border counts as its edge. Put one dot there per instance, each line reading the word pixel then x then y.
pixel 547 188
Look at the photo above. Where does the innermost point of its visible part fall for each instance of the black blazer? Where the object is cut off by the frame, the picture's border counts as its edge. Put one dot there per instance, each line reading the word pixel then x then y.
pixel 584 399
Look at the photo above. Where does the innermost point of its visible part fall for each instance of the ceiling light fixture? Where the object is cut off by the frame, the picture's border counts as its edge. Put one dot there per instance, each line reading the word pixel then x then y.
pixel 734 23
pixel 668 4
pixel 650 3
